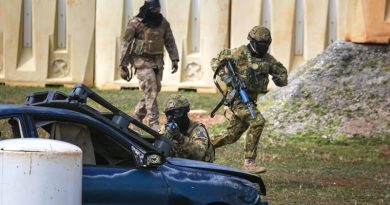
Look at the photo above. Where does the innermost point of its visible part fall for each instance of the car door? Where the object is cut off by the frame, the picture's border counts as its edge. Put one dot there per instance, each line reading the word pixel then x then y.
pixel 110 185
pixel 110 171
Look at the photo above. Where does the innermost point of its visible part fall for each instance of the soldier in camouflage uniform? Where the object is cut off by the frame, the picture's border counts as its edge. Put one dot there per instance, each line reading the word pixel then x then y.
pixel 143 47
pixel 253 64
pixel 190 139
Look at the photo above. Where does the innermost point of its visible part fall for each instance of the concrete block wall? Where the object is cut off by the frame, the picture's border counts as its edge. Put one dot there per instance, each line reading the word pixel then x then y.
pixel 29 53
pixel 282 32
pixel 78 41
pixel 283 26
pixel 194 71
pixel 1 43
pixel 219 29
pixel 315 27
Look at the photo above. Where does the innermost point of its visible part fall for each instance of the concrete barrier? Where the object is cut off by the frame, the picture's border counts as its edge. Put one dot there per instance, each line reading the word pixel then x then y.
pixel 368 21
pixel 40 171
pixel 29 32
pixel 60 42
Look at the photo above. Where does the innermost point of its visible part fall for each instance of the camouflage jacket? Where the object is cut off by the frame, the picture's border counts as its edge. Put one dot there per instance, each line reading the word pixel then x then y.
pixel 253 70
pixel 135 30
pixel 195 145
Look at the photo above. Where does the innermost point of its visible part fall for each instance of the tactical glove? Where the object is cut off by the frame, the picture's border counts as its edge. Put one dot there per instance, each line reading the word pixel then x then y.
pixel 278 82
pixel 175 66
pixel 173 132
pixel 125 75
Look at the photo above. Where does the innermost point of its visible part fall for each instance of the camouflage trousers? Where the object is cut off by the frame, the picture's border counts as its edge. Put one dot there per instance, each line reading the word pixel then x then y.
pixel 240 122
pixel 150 84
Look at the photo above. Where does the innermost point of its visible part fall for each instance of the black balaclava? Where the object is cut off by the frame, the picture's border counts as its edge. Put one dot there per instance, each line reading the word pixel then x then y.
pixel 258 49
pixel 183 122
pixel 149 18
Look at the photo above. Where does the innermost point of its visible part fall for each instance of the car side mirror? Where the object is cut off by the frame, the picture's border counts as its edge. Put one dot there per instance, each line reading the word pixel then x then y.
pixel 153 159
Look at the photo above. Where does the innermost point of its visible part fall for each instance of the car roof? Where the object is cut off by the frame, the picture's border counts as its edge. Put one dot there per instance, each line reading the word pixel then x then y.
pixel 14 109
pixel 75 105
pixel 9 109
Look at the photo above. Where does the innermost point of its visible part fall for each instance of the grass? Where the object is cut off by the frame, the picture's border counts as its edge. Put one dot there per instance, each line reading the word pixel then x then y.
pixel 123 99
pixel 314 170
pixel 301 169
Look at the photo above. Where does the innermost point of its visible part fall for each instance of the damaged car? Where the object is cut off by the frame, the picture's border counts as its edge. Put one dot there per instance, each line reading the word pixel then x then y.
pixel 124 161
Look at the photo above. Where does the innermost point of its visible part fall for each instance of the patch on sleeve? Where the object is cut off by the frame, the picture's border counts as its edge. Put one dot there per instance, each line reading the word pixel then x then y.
pixel 201 133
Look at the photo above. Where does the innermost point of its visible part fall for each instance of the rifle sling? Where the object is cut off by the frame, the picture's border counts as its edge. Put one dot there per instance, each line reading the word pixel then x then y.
pixel 223 100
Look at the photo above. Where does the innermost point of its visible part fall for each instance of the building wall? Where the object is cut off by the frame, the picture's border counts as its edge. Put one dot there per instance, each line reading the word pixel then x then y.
pixel 29 38
pixel 78 41
pixel 199 33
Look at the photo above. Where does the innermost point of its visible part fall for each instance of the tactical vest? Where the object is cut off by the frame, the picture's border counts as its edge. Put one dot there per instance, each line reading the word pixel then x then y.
pixel 257 73
pixel 152 41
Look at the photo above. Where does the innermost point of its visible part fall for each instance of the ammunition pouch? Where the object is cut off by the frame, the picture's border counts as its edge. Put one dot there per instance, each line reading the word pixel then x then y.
pixel 257 80
pixel 154 41
pixel 150 47
pixel 138 47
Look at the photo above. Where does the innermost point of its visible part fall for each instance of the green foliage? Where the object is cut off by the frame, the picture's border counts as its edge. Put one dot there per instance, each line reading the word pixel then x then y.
pixel 124 99
pixel 265 102
pixel 307 169
pixel 17 95
pixel 218 128
pixel 387 69
pixel 308 65
pixel 330 65
pixel 369 63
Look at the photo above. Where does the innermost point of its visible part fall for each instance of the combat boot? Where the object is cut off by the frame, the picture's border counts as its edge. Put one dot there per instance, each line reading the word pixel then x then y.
pixel 249 166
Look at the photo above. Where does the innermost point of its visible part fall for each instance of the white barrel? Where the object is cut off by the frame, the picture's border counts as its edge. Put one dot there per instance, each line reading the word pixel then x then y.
pixel 40 172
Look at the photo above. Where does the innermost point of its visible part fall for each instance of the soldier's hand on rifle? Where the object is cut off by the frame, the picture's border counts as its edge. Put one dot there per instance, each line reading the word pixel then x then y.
pixel 172 128
pixel 175 66
pixel 173 132
pixel 125 75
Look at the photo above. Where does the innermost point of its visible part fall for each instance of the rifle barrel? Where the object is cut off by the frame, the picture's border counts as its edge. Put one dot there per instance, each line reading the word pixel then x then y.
pixel 242 89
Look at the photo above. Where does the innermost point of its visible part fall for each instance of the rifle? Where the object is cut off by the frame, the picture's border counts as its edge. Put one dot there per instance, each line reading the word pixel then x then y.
pixel 238 90
pixel 171 125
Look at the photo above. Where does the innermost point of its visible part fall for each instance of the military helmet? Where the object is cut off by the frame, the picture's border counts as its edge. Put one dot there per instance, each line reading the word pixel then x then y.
pixel 152 3
pixel 176 101
pixel 260 34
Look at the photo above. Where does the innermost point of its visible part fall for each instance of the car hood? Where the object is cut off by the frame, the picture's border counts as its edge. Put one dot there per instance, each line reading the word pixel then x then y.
pixel 213 167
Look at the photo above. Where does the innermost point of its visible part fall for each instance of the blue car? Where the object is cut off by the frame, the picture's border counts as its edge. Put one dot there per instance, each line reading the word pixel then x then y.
pixel 124 161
